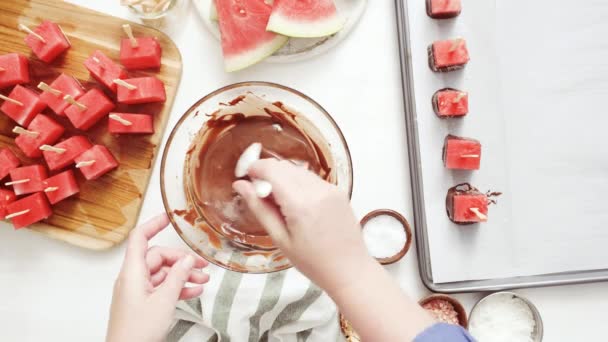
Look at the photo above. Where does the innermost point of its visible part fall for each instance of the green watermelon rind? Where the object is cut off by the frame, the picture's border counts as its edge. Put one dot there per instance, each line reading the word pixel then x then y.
pixel 300 29
pixel 246 59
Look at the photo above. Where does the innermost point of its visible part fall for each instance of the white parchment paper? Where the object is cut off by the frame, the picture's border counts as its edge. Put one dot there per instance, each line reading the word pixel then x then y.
pixel 538 88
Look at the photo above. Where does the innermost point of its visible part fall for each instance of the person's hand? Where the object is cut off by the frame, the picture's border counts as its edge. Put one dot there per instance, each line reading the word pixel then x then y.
pixel 310 220
pixel 149 285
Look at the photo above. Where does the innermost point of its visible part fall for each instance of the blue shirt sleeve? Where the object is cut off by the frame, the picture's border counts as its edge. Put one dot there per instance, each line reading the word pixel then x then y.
pixel 442 332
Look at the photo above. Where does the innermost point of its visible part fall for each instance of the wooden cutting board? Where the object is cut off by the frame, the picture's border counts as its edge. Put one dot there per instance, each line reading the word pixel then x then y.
pixel 104 212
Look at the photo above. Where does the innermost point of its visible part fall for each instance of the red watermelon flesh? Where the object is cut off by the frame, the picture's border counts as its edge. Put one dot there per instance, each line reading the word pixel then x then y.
pixel 466 203
pixel 245 40
pixel 305 18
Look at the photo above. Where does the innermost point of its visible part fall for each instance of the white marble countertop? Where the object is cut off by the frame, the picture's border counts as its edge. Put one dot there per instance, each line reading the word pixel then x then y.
pixel 56 292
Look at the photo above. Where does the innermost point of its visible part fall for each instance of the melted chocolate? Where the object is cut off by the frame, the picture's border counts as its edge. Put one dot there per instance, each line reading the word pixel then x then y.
pixel 464 189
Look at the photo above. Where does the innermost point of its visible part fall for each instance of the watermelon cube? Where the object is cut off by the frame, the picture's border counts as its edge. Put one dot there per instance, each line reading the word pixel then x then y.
pixel 61 86
pixel 8 161
pixel 41 131
pixel 96 162
pixel 461 153
pixel 449 103
pixel 6 197
pixel 128 123
pixel 448 55
pixel 145 55
pixel 141 90
pixel 27 179
pixel 97 106
pixel 443 9
pixel 48 42
pixel 29 210
pixel 14 69
pixel 104 70
pixel 22 105
pixel 60 186
pixel 64 153
pixel 466 205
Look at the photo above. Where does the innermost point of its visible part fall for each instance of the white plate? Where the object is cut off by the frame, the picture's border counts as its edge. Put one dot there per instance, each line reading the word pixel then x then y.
pixel 298 49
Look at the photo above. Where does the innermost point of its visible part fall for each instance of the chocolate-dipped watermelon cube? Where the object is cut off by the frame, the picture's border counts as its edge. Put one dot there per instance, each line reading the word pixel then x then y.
pixel 443 9
pixel 448 55
pixel 146 53
pixel 449 103
pixel 53 94
pixel 41 131
pixel 29 210
pixel 47 41
pixel 14 69
pixel 96 162
pixel 60 186
pixel 22 105
pixel 128 123
pixel 104 70
pixel 8 161
pixel 141 90
pixel 63 154
pixel 27 179
pixel 461 153
pixel 6 197
pixel 466 205
pixel 90 108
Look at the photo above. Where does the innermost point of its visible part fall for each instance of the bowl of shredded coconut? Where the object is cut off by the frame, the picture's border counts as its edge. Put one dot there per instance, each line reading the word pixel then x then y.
pixel 387 235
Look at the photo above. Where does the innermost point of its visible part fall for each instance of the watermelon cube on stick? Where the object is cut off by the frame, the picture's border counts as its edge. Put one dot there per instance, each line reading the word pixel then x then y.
pixel 128 123
pixel 22 105
pixel 27 179
pixel 41 131
pixel 14 69
pixel 448 55
pixel 47 41
pixel 449 103
pixel 63 154
pixel 245 40
pixel 28 210
pixel 89 109
pixel 140 90
pixel 443 9
pixel 8 161
pixel 104 70
pixel 305 19
pixel 54 93
pixel 139 53
pixel 96 162
pixel 461 153
pixel 6 197
pixel 466 205
pixel 60 186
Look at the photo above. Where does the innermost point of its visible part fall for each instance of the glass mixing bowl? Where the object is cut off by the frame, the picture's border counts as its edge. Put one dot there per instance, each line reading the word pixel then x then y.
pixel 193 229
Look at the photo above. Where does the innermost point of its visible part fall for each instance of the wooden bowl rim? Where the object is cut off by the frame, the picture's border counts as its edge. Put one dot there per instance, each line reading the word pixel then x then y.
pixel 462 313
pixel 406 226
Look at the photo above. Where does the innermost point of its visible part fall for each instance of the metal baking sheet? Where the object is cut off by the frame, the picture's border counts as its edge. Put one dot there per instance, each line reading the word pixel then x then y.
pixel 542 137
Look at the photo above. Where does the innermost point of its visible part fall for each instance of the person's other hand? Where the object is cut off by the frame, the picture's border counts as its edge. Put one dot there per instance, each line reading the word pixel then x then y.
pixel 149 285
pixel 310 220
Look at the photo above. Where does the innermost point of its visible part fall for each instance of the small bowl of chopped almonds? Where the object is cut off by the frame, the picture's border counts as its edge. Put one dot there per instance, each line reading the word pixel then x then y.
pixel 445 309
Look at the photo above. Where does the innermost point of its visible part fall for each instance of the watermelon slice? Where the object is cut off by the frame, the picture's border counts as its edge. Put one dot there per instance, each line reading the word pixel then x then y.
pixel 305 18
pixel 245 40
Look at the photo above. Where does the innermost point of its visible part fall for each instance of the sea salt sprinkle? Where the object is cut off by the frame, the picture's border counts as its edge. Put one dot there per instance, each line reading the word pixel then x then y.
pixel 384 236
pixel 442 311
pixel 502 318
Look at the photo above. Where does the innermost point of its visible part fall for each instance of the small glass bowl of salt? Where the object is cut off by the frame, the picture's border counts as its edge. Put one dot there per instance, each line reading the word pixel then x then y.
pixel 387 235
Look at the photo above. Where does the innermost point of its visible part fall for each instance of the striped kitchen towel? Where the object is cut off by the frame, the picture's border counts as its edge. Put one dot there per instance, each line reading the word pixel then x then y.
pixel 283 306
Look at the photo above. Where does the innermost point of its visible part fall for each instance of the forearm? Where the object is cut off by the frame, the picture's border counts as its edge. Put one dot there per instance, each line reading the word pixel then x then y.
pixel 377 307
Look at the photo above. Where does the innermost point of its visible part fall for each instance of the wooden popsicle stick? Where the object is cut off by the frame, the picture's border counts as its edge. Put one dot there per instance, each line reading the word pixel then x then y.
pixel 19 213
pixel 45 87
pixel 85 163
pixel 124 84
pixel 51 189
pixel 21 130
pixel 459 97
pixel 470 156
pixel 478 213
pixel 455 44
pixel 69 99
pixel 129 32
pixel 96 60
pixel 6 98
pixel 49 148
pixel 21 181
pixel 117 117
pixel 28 30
